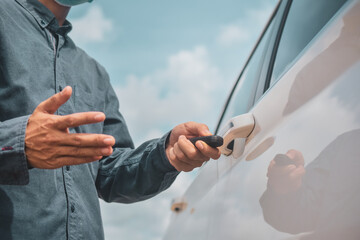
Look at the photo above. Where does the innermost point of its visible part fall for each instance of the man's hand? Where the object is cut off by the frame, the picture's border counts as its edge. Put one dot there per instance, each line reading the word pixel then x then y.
pixel 182 154
pixel 286 178
pixel 48 143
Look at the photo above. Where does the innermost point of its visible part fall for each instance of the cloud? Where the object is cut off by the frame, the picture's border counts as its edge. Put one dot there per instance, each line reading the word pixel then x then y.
pixel 259 16
pixel 186 89
pixel 123 221
pixel 242 30
pixel 233 34
pixel 91 28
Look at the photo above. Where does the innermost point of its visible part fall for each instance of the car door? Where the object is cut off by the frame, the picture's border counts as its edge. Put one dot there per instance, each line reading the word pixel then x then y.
pixel 304 97
pixel 191 219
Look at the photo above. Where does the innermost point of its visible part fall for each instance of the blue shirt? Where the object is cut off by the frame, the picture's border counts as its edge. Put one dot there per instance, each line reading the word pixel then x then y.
pixel 37 60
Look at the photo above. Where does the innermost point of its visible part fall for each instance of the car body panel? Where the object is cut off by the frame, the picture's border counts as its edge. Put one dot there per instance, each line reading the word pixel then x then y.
pixel 313 108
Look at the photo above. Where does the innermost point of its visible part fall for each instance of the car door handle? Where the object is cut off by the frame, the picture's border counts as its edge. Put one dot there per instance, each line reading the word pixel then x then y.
pixel 238 127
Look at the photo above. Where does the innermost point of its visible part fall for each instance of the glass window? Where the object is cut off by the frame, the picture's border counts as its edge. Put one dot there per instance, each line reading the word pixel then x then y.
pixel 243 96
pixel 305 19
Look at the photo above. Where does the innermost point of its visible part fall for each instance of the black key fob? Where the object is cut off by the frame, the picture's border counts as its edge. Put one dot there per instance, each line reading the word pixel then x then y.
pixel 213 140
pixel 283 160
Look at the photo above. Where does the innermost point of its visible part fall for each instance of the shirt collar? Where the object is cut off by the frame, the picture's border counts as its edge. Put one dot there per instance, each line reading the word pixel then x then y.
pixel 45 17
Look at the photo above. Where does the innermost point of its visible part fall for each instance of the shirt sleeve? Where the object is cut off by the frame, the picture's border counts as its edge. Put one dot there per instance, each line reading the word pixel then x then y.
pixel 13 163
pixel 129 174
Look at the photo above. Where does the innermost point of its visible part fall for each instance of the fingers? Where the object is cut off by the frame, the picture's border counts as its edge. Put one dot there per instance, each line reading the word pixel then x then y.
pixel 69 149
pixel 190 130
pixel 208 151
pixel 83 151
pixel 52 104
pixel 86 140
pixel 186 152
pixel 275 170
pixel 50 157
pixel 297 173
pixel 78 119
pixel 48 143
pixel 182 154
pixel 185 156
pixel 86 153
pixel 296 156
pixel 285 179
pixel 197 129
pixel 178 164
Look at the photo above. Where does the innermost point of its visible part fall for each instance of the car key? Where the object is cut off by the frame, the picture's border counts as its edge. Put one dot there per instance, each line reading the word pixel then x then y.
pixel 213 140
pixel 283 160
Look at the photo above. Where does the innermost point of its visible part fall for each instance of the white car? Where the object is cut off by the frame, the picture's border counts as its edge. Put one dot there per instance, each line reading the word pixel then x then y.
pixel 293 171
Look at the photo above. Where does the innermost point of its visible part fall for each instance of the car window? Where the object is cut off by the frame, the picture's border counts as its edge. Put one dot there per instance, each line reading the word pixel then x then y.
pixel 243 95
pixel 305 19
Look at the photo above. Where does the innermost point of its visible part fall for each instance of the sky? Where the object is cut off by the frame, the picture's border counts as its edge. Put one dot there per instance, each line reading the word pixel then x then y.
pixel 169 62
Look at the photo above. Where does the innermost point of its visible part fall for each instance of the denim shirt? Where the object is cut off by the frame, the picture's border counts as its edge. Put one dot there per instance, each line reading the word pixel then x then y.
pixel 37 60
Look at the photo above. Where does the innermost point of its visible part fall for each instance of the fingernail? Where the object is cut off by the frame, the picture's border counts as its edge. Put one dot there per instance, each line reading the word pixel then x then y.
pixel 199 145
pixel 64 90
pixel 99 117
pixel 207 133
pixel 172 154
pixel 291 154
pixel 105 151
pixel 109 141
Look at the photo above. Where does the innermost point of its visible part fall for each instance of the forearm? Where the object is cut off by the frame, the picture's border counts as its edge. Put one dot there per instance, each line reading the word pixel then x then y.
pixel 13 163
pixel 131 175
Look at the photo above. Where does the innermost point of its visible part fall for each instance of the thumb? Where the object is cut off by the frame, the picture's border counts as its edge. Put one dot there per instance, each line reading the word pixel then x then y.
pixel 52 104
pixel 198 129
pixel 296 156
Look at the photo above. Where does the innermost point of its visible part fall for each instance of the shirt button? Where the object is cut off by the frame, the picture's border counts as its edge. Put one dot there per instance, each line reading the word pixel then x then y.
pixel 72 208
pixel 42 22
pixel 67 168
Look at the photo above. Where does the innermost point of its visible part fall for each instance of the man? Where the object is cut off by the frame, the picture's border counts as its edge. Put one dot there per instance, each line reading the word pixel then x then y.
pixel 60 151
pixel 321 200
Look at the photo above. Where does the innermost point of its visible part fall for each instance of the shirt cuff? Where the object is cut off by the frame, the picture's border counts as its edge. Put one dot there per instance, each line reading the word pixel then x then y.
pixel 165 164
pixel 13 163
